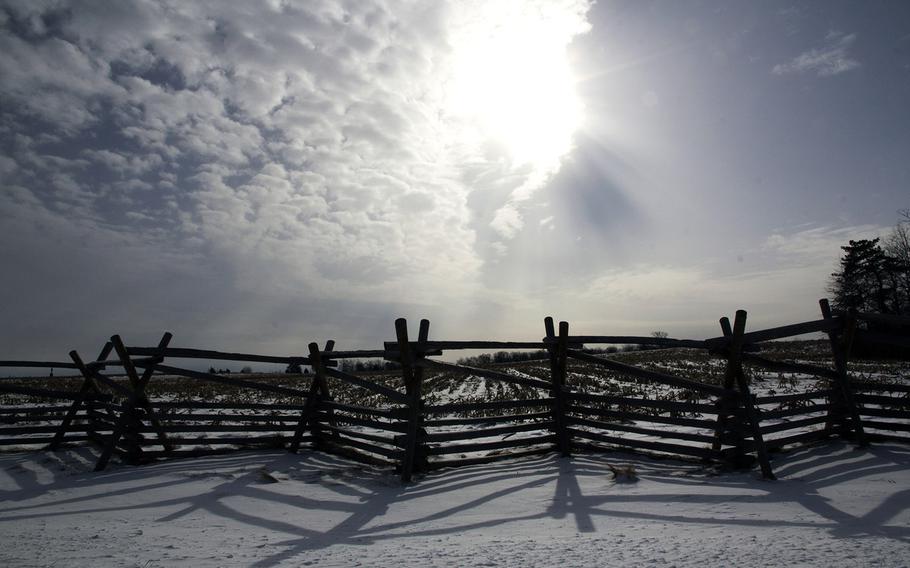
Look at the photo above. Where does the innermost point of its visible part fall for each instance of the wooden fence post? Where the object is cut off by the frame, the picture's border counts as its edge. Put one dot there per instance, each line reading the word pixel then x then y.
pixel 735 367
pixel 324 392
pixel 311 406
pixel 130 419
pixel 729 426
pixel 558 360
pixel 92 373
pixel 141 400
pixel 420 450
pixel 86 392
pixel 413 381
pixel 839 353
pixel 319 391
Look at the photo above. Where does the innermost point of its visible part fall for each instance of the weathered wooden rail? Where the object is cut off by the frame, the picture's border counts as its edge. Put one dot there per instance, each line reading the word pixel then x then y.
pixel 387 421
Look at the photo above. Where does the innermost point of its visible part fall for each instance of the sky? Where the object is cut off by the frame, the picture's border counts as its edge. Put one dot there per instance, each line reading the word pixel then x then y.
pixel 258 175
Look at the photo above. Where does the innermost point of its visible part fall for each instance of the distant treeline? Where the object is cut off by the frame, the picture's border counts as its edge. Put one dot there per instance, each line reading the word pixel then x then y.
pixel 482 360
pixel 369 365
pixel 351 366
pixel 517 356
pixel 502 357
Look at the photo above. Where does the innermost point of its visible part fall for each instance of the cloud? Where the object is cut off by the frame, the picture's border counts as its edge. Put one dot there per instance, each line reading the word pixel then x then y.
pixel 817 244
pixel 791 17
pixel 507 221
pixel 255 176
pixel 268 154
pixel 785 276
pixel 826 61
pixel 198 102
pixel 643 284
pixel 512 97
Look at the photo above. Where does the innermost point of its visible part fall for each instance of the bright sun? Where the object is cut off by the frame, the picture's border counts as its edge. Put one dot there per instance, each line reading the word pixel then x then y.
pixel 512 80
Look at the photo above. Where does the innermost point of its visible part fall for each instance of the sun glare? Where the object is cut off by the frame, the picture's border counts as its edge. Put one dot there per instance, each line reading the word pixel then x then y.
pixel 512 80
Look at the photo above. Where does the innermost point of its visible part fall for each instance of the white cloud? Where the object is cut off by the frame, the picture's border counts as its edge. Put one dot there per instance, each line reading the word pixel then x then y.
pixel 829 60
pixel 287 152
pixel 511 99
pixel 645 284
pixel 788 272
pixel 818 244
pixel 507 221
pixel 337 99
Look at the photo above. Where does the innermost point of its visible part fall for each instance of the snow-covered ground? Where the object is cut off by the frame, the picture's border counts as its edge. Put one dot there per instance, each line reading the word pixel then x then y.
pixel 832 506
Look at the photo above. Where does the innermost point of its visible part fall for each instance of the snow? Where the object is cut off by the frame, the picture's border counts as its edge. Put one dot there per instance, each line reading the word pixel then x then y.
pixel 833 505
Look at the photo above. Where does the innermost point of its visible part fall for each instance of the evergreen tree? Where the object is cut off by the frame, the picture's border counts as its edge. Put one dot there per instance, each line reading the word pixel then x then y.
pixel 867 279
pixel 876 279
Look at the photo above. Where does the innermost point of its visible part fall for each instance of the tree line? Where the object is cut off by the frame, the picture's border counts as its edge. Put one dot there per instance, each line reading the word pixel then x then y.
pixel 874 276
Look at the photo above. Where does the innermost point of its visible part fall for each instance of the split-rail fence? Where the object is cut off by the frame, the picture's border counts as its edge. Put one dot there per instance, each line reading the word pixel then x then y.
pixel 401 426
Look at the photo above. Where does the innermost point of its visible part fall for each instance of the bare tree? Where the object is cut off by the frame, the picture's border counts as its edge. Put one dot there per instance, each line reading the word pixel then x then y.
pixel 897 246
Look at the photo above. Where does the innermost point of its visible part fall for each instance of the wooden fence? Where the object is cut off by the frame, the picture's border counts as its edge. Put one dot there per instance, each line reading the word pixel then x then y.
pixel 388 420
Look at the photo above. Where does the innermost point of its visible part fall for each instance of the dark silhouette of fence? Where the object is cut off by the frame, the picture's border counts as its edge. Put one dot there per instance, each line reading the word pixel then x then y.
pixel 388 421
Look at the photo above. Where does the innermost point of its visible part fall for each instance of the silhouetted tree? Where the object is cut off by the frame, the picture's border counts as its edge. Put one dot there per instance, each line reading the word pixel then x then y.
pixel 876 278
pixel 897 246
pixel 869 279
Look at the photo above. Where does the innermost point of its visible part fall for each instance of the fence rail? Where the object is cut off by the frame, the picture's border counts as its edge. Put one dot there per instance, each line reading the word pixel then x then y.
pixel 388 420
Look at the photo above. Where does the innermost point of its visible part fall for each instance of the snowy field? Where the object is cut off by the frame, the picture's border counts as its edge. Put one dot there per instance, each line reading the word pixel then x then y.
pixel 833 506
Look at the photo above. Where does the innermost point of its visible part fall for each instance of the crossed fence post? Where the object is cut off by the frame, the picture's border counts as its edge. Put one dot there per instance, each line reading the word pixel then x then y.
pixel 734 376
pixel 87 392
pixel 130 419
pixel 844 394
pixel 319 391
pixel 134 397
